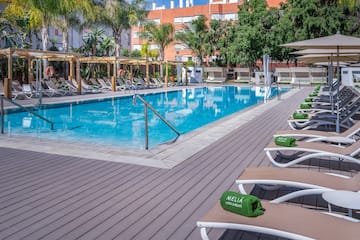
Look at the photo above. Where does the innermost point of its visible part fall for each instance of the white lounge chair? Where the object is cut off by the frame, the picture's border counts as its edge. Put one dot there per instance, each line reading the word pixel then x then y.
pixel 345 137
pixel 305 181
pixel 284 220
pixel 345 118
pixel 310 150
pixel 18 91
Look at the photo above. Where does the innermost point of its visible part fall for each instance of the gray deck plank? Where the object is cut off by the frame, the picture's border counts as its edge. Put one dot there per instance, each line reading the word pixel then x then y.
pixel 203 184
pixel 58 197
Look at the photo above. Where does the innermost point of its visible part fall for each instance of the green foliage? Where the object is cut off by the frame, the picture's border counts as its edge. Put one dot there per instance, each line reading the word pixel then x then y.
pixel 120 15
pixel 190 63
pixel 194 37
pixel 162 35
pixel 261 30
pixel 107 45
pixel 135 53
pixel 125 52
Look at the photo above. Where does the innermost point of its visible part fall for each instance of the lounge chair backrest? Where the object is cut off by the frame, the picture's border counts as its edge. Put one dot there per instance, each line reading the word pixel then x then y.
pixel 353 130
pixel 353 149
pixel 355 181
pixel 27 88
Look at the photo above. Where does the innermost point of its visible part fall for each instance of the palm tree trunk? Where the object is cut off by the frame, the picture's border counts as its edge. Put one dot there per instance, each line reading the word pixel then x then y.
pixel 45 39
pixel 65 43
pixel 117 37
pixel 161 63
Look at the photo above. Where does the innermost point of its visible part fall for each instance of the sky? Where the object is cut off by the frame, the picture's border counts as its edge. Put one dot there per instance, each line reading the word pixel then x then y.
pixel 159 3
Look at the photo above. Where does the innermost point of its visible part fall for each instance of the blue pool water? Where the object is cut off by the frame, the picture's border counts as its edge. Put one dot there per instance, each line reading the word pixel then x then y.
pixel 120 121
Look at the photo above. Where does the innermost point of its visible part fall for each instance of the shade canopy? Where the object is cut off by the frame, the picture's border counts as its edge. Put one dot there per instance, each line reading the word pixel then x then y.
pixel 336 41
pixel 326 64
pixel 325 51
pixel 313 58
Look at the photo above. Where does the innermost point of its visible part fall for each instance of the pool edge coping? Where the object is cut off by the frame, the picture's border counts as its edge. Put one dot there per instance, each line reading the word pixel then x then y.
pixel 164 156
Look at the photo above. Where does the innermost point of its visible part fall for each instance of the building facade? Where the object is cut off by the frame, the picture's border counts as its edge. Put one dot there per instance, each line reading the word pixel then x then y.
pixel 184 14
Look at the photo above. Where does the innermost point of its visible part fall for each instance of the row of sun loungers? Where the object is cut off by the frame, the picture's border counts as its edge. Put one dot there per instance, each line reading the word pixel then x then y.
pixel 294 148
pixel 61 87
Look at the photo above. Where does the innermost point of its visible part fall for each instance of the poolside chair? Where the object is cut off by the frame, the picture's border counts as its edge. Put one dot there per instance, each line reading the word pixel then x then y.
pixel 305 181
pixel 19 92
pixel 51 86
pixel 89 88
pixel 326 106
pixel 1 88
pixel 345 118
pixel 345 137
pixel 307 150
pixel 284 220
pixel 104 84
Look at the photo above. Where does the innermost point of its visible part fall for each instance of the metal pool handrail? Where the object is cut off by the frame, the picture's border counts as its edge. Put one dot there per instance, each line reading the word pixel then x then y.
pixel 2 98
pixel 146 106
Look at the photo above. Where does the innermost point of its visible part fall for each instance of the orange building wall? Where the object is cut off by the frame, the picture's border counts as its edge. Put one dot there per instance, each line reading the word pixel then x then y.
pixel 168 15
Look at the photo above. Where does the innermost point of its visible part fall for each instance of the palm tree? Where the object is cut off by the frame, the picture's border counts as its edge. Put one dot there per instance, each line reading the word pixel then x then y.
pixel 92 40
pixel 120 15
pixel 162 35
pixel 194 37
pixel 68 16
pixel 107 45
pixel 46 11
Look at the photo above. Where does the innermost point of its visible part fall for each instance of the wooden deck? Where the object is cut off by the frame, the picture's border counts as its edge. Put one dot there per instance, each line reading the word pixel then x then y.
pixel 45 196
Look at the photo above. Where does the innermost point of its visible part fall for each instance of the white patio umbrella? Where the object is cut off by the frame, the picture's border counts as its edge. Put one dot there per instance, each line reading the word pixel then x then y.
pixel 314 58
pixel 336 41
pixel 325 51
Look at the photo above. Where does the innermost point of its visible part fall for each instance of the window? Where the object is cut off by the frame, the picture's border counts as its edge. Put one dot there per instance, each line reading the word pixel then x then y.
pixel 180 46
pixel 153 46
pixel 185 19
pixel 225 17
pixel 136 47
pixel 156 21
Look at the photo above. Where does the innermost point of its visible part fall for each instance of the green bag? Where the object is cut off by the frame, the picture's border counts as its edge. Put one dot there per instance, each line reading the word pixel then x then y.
pixel 285 141
pixel 313 95
pixel 245 205
pixel 300 115
pixel 308 99
pixel 305 106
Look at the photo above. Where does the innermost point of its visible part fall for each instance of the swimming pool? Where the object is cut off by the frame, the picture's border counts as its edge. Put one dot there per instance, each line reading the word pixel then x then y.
pixel 120 121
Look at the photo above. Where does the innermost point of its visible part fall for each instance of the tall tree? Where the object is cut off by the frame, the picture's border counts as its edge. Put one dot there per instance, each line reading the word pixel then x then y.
pixel 162 35
pixel 314 18
pixel 250 40
pixel 68 15
pixel 194 37
pixel 219 40
pixel 121 15
pixel 24 21
pixel 351 11
pixel 45 10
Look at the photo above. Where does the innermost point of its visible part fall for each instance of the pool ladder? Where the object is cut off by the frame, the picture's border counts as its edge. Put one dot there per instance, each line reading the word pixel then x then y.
pixel 146 106
pixel 2 112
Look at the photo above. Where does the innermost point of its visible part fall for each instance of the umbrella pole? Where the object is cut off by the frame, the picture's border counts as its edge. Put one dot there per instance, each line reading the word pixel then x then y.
pixel 331 81
pixel 337 92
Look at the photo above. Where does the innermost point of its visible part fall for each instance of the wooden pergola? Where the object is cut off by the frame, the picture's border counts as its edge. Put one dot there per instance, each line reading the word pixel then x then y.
pixel 31 55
